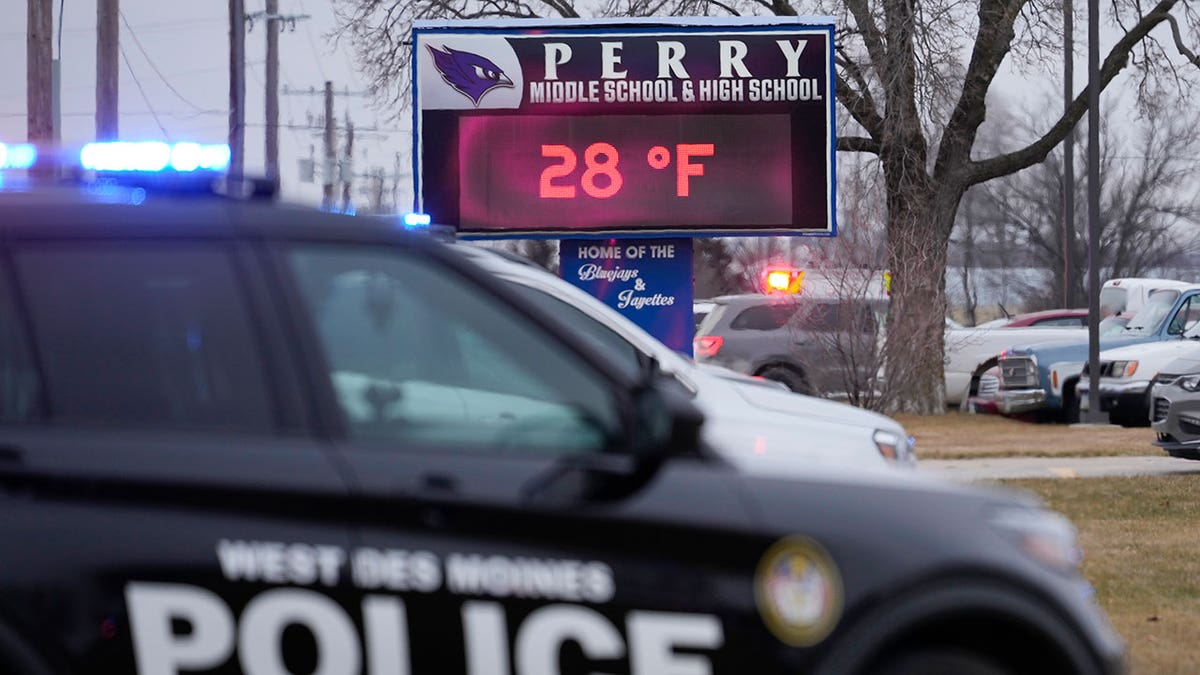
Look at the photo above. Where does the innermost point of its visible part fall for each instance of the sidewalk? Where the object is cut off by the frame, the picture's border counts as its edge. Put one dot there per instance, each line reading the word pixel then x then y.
pixel 1057 467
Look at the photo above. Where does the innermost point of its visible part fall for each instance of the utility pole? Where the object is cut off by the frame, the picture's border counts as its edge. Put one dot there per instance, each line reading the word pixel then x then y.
pixel 39 53
pixel 1093 200
pixel 272 131
pixel 329 170
pixel 1068 153
pixel 275 23
pixel 237 87
pixel 396 184
pixel 56 84
pixel 108 71
pixel 330 151
pixel 346 172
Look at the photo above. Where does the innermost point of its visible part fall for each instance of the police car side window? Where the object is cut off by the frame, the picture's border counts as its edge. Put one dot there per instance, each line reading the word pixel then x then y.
pixel 20 386
pixel 624 354
pixel 420 358
pixel 139 335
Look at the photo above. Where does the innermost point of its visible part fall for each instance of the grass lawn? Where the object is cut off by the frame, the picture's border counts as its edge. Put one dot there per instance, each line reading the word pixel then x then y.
pixel 965 436
pixel 1141 542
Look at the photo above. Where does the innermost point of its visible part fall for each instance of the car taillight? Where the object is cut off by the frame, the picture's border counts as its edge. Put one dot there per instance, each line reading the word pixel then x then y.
pixel 708 345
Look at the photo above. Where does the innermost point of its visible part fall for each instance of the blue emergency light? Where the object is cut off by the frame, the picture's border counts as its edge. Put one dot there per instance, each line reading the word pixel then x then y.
pixel 153 157
pixel 417 220
pixel 17 156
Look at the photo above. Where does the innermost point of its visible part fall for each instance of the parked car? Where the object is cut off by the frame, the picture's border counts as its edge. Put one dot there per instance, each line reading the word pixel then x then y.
pixel 972 351
pixel 1127 373
pixel 1050 318
pixel 756 424
pixel 1043 377
pixel 794 339
pixel 1175 408
pixel 969 352
pixel 701 309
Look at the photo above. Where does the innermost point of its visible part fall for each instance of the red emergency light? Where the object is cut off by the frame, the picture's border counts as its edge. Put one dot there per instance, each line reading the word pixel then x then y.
pixel 783 280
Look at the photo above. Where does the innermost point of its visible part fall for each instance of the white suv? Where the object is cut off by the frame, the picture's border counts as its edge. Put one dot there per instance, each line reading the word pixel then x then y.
pixel 755 424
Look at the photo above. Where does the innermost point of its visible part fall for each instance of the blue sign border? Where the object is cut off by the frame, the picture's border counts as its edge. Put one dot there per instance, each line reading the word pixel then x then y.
pixel 601 27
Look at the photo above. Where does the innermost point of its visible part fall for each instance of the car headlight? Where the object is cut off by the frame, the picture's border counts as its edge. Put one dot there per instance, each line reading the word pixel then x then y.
pixel 1124 368
pixel 1045 536
pixel 895 448
pixel 1189 383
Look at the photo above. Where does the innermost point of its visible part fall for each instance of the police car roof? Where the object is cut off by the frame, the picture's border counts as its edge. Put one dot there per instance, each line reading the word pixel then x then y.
pixel 72 211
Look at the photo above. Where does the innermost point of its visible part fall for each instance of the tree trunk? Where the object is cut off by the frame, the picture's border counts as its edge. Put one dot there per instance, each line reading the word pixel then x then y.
pixel 919 223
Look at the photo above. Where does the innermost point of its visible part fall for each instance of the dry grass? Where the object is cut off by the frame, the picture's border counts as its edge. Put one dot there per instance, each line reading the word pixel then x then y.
pixel 1140 537
pixel 964 436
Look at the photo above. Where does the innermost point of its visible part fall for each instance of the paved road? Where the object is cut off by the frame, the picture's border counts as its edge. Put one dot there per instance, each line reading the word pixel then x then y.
pixel 1057 467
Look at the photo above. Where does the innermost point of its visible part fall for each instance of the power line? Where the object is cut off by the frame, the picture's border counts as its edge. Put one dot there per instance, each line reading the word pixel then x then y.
pixel 145 98
pixel 156 27
pixel 149 60
pixel 313 45
pixel 180 114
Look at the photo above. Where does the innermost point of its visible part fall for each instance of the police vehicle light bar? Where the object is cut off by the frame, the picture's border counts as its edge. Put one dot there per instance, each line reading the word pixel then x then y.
pixel 417 220
pixel 154 156
pixel 17 155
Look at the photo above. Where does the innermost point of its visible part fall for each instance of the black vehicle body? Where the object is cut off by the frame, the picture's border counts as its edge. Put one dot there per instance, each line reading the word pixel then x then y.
pixel 307 549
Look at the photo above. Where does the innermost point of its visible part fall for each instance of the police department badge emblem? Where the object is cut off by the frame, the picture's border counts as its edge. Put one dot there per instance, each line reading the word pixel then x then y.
pixel 798 591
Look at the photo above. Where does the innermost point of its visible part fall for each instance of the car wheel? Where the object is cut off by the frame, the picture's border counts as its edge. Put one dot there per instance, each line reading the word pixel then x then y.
pixel 789 378
pixel 939 661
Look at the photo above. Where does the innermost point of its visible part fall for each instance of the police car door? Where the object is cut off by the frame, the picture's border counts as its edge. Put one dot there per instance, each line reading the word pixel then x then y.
pixel 163 508
pixel 458 412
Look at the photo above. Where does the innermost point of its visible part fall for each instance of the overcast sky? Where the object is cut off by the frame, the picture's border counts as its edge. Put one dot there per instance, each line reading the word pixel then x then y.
pixel 178 52
pixel 188 43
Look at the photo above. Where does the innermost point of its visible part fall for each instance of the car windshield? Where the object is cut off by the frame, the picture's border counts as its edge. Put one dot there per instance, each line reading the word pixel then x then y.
pixel 1148 318
pixel 1113 325
pixel 1113 300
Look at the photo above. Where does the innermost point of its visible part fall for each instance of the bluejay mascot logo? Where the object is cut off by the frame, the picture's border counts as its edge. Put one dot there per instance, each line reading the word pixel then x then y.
pixel 470 74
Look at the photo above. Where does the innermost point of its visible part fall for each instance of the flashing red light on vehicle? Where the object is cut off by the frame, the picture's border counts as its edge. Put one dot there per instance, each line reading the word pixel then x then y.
pixel 783 280
pixel 779 280
pixel 707 345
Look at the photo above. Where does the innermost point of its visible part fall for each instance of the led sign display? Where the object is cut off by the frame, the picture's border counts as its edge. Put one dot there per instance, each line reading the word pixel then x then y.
pixel 640 129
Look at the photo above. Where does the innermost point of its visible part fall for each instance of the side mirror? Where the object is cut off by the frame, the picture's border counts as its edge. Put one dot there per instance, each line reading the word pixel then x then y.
pixel 667 422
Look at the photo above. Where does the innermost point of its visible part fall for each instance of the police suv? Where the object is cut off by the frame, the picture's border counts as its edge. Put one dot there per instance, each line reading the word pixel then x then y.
pixel 241 437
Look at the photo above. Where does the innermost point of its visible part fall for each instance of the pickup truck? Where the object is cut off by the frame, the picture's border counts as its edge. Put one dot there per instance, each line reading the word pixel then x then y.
pixel 970 352
pixel 1127 374
pixel 1042 377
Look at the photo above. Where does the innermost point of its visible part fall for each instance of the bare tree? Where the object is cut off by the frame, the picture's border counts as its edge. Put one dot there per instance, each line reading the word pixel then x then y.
pixel 901 78
pixel 1149 207
pixel 713 273
pixel 967 243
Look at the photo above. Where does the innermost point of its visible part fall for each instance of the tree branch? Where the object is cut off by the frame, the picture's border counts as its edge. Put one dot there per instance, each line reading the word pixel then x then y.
pixel 1035 152
pixel 860 108
pixel 867 110
pixel 992 43
pixel 782 8
pixel 872 38
pixel 857 144
pixel 1179 44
